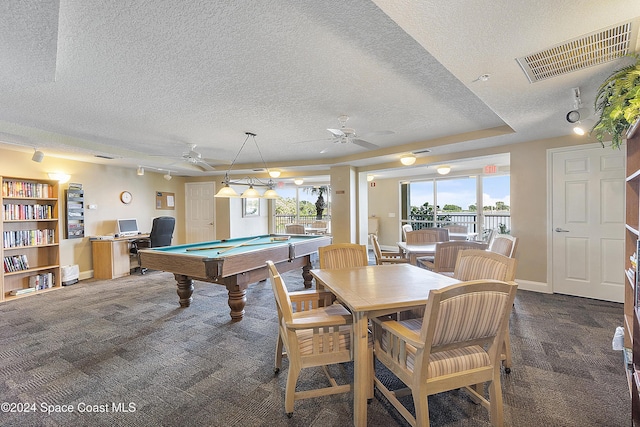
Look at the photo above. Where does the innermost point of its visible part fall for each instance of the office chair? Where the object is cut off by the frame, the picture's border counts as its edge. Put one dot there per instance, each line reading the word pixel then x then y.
pixel 161 235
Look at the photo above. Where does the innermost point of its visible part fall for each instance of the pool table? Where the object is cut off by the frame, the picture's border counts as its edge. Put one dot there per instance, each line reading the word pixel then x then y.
pixel 234 263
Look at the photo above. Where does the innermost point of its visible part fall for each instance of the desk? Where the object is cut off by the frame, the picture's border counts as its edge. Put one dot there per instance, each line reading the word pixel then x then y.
pixel 111 258
pixel 374 291
pixel 415 251
pixel 235 268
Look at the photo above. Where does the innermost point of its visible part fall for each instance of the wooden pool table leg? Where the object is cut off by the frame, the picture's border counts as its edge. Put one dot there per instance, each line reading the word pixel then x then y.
pixel 185 289
pixel 307 276
pixel 237 301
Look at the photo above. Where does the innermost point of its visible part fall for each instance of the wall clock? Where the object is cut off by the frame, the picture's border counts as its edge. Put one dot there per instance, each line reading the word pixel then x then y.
pixel 126 197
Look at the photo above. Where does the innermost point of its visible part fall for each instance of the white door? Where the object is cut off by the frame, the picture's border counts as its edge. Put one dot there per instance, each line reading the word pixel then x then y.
pixel 588 223
pixel 199 212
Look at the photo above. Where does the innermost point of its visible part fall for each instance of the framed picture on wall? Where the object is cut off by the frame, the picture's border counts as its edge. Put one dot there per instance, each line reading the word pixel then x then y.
pixel 250 207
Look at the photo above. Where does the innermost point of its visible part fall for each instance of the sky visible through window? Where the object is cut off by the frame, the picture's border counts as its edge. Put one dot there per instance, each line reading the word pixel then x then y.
pixel 462 191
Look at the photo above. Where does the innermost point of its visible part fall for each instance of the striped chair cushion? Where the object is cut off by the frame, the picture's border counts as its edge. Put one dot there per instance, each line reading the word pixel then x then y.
pixel 323 342
pixel 461 318
pixel 444 362
pixel 473 267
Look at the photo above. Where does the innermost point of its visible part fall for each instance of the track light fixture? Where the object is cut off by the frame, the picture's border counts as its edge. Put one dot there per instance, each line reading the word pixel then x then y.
pixel 140 171
pixel 37 156
pixel 579 116
pixel 168 176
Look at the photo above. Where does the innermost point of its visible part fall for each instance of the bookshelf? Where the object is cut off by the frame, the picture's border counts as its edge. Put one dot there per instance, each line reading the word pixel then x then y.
pixel 30 237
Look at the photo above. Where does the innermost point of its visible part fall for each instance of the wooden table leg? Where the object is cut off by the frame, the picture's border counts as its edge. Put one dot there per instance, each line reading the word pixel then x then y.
pixel 361 380
pixel 237 301
pixel 185 289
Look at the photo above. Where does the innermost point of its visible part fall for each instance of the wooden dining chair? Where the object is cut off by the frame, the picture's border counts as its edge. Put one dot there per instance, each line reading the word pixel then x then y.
pixel 294 229
pixel 483 264
pixel 386 257
pixel 405 229
pixel 427 235
pixel 504 244
pixel 343 255
pixel 319 225
pixel 457 344
pixel 314 332
pixel 456 228
pixel 446 255
pixel 461 230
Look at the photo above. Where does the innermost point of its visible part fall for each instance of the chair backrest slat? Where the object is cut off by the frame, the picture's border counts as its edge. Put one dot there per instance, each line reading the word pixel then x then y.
pixel 427 235
pixel 504 244
pixel 343 255
pixel 446 254
pixel 474 264
pixel 294 229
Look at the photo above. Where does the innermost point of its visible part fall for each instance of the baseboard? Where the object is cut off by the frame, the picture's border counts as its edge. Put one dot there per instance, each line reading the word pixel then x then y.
pixel 85 275
pixel 528 285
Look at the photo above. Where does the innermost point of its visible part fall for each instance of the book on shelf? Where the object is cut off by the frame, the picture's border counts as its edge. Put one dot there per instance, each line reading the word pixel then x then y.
pixel 21 291
pixel 17 188
pixel 41 281
pixel 15 263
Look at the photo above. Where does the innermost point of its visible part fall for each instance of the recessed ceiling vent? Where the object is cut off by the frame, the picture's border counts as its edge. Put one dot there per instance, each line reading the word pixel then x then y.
pixel 577 54
pixel 102 156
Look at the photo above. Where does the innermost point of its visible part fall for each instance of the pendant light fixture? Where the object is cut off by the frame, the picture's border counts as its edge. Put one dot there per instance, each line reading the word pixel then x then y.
pixel 227 191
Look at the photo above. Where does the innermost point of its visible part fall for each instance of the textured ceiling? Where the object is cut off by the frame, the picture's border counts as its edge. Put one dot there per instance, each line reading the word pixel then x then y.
pixel 141 80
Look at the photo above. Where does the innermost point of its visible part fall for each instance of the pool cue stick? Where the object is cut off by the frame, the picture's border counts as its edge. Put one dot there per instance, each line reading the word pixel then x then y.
pixel 229 246
pixel 238 245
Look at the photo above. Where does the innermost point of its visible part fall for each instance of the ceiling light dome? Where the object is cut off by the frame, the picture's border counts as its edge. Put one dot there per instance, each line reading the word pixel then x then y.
pixel 408 159
pixel 444 169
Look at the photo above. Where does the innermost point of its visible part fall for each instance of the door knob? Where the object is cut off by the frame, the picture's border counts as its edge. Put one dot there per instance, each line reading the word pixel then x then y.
pixel 561 230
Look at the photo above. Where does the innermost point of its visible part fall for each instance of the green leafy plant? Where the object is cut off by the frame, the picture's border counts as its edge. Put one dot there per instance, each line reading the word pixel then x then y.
pixel 502 229
pixel 618 102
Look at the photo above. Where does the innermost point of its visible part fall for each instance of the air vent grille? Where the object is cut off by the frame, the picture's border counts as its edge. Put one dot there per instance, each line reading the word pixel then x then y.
pixel 593 49
pixel 102 156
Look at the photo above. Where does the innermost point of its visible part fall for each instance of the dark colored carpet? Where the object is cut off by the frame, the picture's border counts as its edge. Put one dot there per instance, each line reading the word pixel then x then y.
pixel 126 348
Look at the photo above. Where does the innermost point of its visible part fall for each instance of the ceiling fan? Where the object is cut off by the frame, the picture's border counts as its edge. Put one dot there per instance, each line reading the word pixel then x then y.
pixel 346 135
pixel 194 157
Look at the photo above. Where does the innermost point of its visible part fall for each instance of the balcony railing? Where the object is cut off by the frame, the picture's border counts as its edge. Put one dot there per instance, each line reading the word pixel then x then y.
pixel 491 220
pixel 307 220
pixel 495 220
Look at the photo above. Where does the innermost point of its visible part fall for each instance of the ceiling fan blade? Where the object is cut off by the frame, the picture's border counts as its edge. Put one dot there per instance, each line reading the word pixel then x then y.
pixel 205 166
pixel 337 133
pixel 378 132
pixel 365 144
pixel 313 140
pixel 324 150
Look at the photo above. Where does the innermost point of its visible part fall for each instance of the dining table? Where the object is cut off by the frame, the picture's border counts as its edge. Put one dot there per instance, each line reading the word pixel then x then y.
pixel 372 291
pixel 413 251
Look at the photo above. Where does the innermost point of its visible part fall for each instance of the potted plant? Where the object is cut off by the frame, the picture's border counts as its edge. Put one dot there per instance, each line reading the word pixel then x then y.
pixel 618 103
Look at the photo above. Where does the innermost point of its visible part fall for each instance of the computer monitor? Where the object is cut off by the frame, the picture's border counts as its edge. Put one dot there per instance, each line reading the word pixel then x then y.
pixel 127 227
